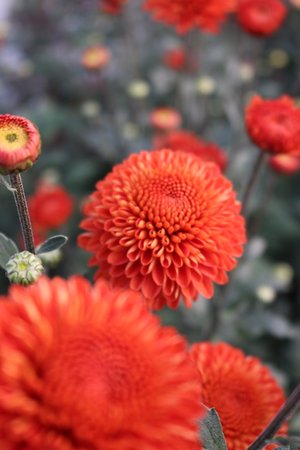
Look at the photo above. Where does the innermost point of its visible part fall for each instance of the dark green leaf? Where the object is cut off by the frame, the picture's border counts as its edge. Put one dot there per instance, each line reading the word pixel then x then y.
pixel 212 436
pixel 7 249
pixel 51 244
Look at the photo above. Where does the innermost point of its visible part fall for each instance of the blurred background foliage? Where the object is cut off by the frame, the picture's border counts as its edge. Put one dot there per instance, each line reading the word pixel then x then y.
pixel 90 121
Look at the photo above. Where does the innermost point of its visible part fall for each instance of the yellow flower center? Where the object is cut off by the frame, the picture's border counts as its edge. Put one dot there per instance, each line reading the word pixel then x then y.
pixel 12 138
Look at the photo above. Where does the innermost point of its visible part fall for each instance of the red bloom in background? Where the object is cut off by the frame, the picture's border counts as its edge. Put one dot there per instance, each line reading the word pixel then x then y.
pixel 165 119
pixel 89 367
pixel 185 15
pixel 189 142
pixel 274 125
pixel 176 58
pixel 165 224
pixel 285 164
pixel 261 17
pixel 95 57
pixel 49 207
pixel 242 390
pixel 20 144
pixel 112 6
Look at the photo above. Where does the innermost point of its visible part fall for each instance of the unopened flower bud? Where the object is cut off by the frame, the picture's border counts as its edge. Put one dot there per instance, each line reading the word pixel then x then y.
pixel 24 268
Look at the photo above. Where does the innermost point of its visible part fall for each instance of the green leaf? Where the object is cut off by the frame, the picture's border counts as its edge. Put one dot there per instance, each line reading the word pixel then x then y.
pixel 7 249
pixel 51 244
pixel 212 436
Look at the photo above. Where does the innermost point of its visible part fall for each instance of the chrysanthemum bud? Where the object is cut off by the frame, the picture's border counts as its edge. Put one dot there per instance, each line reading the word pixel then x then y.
pixel 20 144
pixel 24 268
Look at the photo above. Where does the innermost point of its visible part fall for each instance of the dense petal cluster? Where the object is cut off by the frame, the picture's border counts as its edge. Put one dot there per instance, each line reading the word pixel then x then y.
pixel 86 367
pixel 285 164
pixel 112 6
pixel 20 144
pixel 274 125
pixel 166 224
pixel 241 389
pixel 50 207
pixel 165 119
pixel 189 142
pixel 95 57
pixel 261 17
pixel 185 15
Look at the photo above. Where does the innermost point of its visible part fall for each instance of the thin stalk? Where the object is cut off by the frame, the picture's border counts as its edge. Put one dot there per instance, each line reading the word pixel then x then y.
pixel 252 181
pixel 285 412
pixel 23 213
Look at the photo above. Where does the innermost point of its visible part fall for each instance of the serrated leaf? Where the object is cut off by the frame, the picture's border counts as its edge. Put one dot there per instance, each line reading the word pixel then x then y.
pixel 51 244
pixel 7 249
pixel 212 436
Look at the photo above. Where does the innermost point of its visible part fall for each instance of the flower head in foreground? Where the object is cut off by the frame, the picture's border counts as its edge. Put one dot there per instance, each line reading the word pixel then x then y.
pixel 166 224
pixel 88 367
pixel 165 119
pixel 95 57
pixel 189 142
pixel 261 17
pixel 185 15
pixel 285 164
pixel 50 207
pixel 242 390
pixel 274 125
pixel 20 144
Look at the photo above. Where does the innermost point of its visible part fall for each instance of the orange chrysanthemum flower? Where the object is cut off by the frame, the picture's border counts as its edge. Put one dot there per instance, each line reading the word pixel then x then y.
pixel 165 119
pixel 261 17
pixel 112 6
pixel 166 224
pixel 274 125
pixel 20 144
pixel 95 57
pixel 184 15
pixel 243 391
pixel 86 367
pixel 285 164
pixel 50 207
pixel 189 142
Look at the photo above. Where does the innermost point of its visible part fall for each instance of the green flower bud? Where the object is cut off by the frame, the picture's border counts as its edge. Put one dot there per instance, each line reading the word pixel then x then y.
pixel 24 268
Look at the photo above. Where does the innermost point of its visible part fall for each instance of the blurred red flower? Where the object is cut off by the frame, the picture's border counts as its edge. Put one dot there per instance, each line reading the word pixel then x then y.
pixel 166 224
pixel 185 15
pixel 49 207
pixel 243 391
pixel 285 164
pixel 261 17
pixel 95 57
pixel 90 367
pixel 176 58
pixel 274 125
pixel 112 6
pixel 20 144
pixel 165 119
pixel 189 142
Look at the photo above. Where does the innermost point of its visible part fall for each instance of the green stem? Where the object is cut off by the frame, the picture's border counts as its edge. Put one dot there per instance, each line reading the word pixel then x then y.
pixel 23 213
pixel 289 408
pixel 252 181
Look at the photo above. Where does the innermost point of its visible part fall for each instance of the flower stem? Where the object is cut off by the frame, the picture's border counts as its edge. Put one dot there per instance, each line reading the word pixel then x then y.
pixel 289 408
pixel 251 183
pixel 23 213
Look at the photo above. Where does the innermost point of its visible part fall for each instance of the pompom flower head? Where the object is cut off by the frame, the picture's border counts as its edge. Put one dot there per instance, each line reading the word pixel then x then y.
pixel 165 119
pixel 189 142
pixel 185 15
pixel 274 125
pixel 242 390
pixel 261 17
pixel 166 224
pixel 20 144
pixel 95 57
pixel 86 367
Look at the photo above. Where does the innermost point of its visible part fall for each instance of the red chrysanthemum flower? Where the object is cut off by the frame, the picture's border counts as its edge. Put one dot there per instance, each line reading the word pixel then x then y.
pixel 112 6
pixel 20 144
pixel 86 367
pixel 165 119
pixel 261 17
pixel 95 57
pixel 184 15
pixel 243 391
pixel 166 224
pixel 189 142
pixel 50 207
pixel 176 58
pixel 274 125
pixel 285 164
